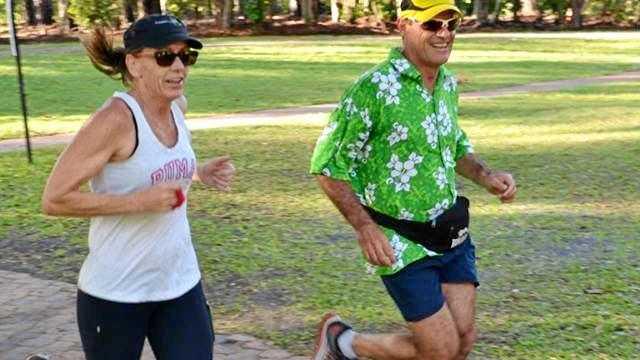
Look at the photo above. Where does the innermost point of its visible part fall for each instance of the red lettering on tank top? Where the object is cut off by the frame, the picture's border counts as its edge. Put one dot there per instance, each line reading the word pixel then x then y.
pixel 174 170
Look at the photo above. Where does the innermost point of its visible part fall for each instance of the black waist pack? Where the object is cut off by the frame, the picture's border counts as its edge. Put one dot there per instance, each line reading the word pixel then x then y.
pixel 447 231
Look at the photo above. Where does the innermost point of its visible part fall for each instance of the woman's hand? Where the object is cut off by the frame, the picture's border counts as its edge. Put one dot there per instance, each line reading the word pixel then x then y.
pixel 217 172
pixel 159 198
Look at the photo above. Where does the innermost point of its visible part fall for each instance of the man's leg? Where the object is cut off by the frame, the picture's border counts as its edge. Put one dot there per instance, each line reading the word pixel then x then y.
pixel 457 317
pixel 417 291
pixel 459 281
pixel 461 300
pixel 435 337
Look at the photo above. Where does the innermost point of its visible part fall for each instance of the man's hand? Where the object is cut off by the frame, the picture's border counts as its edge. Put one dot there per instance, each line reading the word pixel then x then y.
pixel 375 245
pixel 502 184
pixel 217 172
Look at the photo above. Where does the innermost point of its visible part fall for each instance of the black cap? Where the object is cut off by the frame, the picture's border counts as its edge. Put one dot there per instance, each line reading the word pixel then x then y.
pixel 157 31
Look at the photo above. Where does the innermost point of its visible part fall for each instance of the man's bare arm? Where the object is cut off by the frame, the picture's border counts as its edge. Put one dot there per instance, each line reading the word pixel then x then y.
pixel 499 183
pixel 374 244
pixel 474 169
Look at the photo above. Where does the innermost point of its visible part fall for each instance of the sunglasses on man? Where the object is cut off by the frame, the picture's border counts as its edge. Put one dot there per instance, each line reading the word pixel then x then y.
pixel 165 58
pixel 435 25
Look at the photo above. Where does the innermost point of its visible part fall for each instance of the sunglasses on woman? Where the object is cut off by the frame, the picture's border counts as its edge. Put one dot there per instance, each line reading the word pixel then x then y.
pixel 165 58
pixel 435 25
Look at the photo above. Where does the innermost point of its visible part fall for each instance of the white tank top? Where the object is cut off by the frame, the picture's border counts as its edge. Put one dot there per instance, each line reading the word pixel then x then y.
pixel 146 256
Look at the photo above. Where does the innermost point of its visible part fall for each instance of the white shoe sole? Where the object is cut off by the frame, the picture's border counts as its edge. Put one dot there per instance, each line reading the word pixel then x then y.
pixel 323 348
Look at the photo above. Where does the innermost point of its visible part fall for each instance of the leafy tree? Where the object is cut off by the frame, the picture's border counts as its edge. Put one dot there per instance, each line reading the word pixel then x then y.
pixel 556 7
pixel 254 10
pixel 94 12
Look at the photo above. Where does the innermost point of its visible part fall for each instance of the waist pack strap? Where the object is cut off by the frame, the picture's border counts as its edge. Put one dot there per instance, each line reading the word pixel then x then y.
pixel 448 231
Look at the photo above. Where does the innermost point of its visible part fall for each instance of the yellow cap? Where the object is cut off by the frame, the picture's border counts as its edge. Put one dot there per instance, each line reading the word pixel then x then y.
pixel 425 10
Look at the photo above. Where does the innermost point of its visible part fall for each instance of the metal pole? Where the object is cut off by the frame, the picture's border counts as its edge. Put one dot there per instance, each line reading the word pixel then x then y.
pixel 15 50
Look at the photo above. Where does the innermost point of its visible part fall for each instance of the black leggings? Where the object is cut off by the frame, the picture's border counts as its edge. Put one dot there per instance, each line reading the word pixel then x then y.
pixel 177 329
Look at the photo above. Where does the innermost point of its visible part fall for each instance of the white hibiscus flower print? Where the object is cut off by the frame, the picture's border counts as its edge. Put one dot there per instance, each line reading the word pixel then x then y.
pixel 361 199
pixel 441 177
pixel 424 93
pixel 328 130
pixel 349 106
pixel 326 172
pixel 399 133
pixel 450 83
pixel 401 65
pixel 360 150
pixel 402 171
pixel 438 209
pixel 429 125
pixel 447 158
pixel 388 87
pixel 370 194
pixel 405 215
pixel 444 120
pixel 364 114
pixel 399 248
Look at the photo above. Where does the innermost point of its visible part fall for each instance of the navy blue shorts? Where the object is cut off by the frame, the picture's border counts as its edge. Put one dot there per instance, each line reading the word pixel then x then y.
pixel 177 329
pixel 417 289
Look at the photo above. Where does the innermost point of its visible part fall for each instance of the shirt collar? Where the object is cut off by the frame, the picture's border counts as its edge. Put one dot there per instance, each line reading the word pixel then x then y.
pixel 402 65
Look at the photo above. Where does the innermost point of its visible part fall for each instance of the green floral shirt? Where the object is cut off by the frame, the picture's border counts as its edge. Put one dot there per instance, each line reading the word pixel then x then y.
pixel 397 144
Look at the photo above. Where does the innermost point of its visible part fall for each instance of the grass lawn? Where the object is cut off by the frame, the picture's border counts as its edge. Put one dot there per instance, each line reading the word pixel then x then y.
pixel 560 268
pixel 242 74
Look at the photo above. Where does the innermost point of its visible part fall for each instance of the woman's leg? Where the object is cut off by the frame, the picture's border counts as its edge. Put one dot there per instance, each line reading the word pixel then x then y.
pixel 182 328
pixel 111 330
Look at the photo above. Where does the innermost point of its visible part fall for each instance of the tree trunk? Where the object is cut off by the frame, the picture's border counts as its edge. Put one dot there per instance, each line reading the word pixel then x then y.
pixel 141 11
pixel 63 15
pixel 496 13
pixel 238 8
pixel 151 7
pixel 377 14
pixel 268 11
pixel 209 8
pixel 293 8
pixel 481 11
pixel 163 6
pixel 576 12
pixel 335 12
pixel 347 10
pixel 529 8
pixel 308 11
pixel 30 12
pixel 128 11
pixel 46 12
pixel 224 12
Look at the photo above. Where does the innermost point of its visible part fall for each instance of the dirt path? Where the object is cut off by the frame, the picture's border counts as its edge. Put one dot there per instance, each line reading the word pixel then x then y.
pixel 38 316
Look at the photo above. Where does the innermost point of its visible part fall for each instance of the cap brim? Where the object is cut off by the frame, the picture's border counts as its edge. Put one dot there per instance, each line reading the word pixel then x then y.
pixel 191 42
pixel 430 13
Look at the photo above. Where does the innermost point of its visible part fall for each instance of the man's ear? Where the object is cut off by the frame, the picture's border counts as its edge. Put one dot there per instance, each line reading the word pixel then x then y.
pixel 402 24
